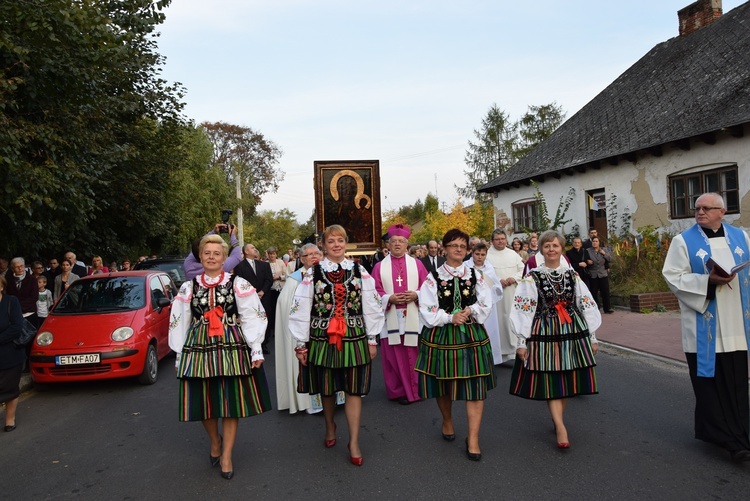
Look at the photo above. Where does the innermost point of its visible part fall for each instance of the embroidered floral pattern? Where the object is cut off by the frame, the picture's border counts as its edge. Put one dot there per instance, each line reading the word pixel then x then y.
pixel 524 303
pixel 295 307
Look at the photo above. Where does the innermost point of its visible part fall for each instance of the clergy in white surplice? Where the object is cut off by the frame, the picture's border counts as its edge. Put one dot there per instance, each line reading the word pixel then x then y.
pixel 508 267
pixel 398 277
pixel 478 261
pixel 715 313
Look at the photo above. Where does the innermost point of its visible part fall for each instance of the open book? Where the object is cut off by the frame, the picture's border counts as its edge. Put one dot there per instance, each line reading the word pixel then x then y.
pixel 723 272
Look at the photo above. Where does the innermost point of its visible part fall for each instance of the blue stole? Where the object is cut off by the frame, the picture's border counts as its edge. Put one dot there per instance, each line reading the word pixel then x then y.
pixel 699 251
pixel 296 275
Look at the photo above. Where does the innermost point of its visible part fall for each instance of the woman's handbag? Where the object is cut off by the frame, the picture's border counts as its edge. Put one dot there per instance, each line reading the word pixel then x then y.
pixel 28 332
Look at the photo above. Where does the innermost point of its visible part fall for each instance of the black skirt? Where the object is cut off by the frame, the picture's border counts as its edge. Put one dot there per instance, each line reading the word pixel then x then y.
pixel 10 379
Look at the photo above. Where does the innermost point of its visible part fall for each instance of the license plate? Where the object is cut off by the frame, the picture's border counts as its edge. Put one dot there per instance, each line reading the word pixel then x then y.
pixel 85 358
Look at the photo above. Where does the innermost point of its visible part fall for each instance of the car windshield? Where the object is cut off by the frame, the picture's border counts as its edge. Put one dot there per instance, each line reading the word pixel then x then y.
pixel 103 295
pixel 175 269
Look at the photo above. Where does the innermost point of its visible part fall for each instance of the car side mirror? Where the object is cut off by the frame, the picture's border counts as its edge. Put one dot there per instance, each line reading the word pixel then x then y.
pixel 163 302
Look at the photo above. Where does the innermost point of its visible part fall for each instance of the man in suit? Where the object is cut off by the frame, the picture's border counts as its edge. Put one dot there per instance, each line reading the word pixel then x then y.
pixel 78 268
pixel 260 276
pixel 432 261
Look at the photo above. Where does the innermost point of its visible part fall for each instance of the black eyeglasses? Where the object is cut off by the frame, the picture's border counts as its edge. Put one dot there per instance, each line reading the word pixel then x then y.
pixel 457 246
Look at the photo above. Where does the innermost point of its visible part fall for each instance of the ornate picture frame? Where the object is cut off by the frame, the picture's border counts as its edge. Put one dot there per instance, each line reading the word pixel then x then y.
pixel 347 192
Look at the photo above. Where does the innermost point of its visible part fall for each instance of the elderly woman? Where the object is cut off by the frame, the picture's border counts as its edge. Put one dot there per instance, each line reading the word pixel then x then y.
pixel 577 256
pixel 12 358
pixel 216 328
pixel 336 318
pixel 554 319
pixel 455 359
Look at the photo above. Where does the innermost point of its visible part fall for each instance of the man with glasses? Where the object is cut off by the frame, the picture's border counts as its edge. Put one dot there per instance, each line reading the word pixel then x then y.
pixel 287 366
pixel 508 267
pixel 398 277
pixel 715 311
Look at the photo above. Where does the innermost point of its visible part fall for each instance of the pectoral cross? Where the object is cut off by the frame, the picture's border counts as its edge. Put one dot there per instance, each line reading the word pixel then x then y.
pixel 399 280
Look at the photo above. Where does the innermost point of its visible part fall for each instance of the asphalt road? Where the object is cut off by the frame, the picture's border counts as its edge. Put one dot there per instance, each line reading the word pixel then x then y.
pixel 119 440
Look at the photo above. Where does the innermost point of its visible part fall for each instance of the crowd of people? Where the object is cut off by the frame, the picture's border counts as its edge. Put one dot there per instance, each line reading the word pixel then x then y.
pixel 441 317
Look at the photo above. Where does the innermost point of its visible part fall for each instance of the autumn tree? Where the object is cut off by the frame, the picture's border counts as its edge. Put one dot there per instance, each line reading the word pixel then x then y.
pixel 245 153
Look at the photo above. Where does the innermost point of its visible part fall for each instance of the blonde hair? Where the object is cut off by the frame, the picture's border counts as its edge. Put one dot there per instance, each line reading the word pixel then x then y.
pixel 213 239
pixel 335 230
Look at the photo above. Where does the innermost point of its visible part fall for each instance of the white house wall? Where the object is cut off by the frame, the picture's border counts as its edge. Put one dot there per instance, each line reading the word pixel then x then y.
pixel 640 189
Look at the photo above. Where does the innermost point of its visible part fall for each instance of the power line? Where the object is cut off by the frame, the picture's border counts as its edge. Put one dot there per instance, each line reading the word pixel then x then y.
pixel 425 153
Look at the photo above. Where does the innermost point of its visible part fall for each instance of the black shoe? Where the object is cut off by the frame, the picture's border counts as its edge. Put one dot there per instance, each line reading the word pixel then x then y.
pixel 739 456
pixel 404 401
pixel 215 459
pixel 473 456
pixel 227 474
pixel 10 427
pixel 449 437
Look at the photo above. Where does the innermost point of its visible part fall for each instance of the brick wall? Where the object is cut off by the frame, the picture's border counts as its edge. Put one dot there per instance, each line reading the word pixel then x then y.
pixel 649 300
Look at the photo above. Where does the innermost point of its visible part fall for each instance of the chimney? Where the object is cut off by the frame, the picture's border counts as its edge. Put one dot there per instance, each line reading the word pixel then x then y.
pixel 697 15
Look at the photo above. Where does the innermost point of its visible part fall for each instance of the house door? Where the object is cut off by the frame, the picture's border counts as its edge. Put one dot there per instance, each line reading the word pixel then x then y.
pixel 597 209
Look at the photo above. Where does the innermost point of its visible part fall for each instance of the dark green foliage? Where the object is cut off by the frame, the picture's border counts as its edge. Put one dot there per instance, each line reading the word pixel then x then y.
pixel 86 127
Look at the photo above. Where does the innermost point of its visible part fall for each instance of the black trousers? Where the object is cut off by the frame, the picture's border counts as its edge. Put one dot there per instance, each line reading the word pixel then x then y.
pixel 722 405
pixel 600 286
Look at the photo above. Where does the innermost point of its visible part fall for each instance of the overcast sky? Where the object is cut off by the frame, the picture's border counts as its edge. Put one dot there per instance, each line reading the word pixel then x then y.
pixel 404 82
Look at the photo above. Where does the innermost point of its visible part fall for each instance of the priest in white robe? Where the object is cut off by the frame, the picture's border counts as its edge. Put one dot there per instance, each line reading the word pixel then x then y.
pixel 715 313
pixel 287 365
pixel 508 267
pixel 478 261
pixel 398 277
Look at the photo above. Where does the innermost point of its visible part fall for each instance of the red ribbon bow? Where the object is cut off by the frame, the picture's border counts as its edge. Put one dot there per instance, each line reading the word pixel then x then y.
pixel 336 330
pixel 214 316
pixel 563 313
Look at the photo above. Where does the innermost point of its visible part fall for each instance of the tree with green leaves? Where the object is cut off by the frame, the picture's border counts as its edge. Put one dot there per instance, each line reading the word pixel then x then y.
pixel 279 228
pixel 493 152
pixel 500 143
pixel 536 125
pixel 83 117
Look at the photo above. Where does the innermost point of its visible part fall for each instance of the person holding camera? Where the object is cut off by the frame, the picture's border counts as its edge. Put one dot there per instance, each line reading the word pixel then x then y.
pixel 192 264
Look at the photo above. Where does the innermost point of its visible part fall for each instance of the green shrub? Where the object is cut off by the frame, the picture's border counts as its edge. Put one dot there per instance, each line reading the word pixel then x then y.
pixel 636 267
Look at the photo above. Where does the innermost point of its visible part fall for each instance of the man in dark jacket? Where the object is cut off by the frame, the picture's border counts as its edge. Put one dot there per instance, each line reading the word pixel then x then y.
pixel 260 276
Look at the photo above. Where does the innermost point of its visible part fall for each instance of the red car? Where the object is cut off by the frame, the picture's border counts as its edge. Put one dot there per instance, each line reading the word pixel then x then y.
pixel 104 326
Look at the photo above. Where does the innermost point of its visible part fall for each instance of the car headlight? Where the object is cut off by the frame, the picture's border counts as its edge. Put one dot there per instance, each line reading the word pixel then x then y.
pixel 122 334
pixel 44 338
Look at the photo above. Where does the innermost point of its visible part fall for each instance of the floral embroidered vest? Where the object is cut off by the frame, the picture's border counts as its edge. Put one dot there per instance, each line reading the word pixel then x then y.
pixel 224 298
pixel 466 291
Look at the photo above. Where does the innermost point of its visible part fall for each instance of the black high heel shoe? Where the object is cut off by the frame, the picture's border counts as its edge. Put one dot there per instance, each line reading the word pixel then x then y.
pixel 215 459
pixel 227 474
pixel 473 456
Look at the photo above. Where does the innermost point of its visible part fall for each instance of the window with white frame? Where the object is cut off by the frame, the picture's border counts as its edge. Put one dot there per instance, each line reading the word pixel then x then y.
pixel 684 189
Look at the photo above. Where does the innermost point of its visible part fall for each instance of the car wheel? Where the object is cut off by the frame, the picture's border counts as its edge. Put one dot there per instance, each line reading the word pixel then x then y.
pixel 150 367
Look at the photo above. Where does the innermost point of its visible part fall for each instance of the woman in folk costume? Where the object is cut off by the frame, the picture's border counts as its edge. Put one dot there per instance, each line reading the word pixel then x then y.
pixel 491 325
pixel 217 325
pixel 555 319
pixel 455 357
pixel 397 279
pixel 336 318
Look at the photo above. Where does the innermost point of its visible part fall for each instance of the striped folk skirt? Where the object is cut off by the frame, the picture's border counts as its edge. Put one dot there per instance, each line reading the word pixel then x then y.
pixel 330 371
pixel 455 361
pixel 216 378
pixel 558 366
